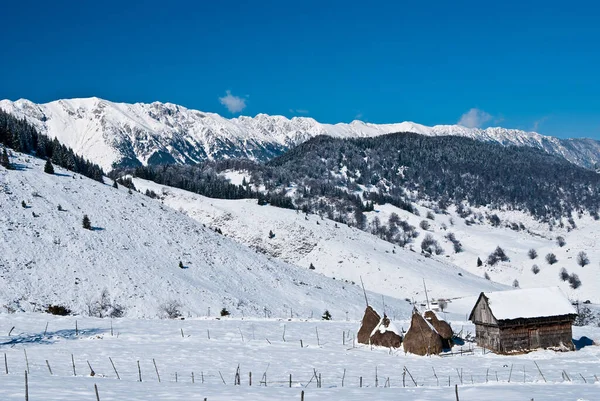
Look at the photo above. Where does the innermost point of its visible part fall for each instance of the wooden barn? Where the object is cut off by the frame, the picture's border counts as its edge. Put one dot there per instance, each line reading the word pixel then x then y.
pixel 523 320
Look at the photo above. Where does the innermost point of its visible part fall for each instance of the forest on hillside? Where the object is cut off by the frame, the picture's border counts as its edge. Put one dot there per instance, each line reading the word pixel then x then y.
pixel 326 175
pixel 19 135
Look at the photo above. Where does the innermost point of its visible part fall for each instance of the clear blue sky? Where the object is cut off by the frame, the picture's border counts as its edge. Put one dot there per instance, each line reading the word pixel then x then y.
pixel 521 64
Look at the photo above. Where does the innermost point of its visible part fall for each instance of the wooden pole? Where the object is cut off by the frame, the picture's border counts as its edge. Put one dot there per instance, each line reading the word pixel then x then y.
pixel 115 369
pixel 155 368
pixel 46 329
pixel 302 395
pixel 343 377
pixel 360 381
pixel 290 380
pixel 97 395
pixel 456 391
pixel 208 333
pixel 364 291
pixel 49 369
pixel 318 342
pixel 92 373
pixel 76 329
pixel 26 359
pixel 193 377
pixel 510 374
pixel 139 371
pixel 73 365
pixel 250 378
pixel 540 370
pixel 222 377
pixel 26 388
pixel 5 364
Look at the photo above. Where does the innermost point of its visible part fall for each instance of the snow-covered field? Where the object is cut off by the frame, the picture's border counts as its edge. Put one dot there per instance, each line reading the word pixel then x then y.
pixel 181 348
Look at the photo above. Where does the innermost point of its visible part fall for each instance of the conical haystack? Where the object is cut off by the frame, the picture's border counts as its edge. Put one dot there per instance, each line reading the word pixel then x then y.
pixel 441 326
pixel 422 338
pixel 370 320
pixel 386 334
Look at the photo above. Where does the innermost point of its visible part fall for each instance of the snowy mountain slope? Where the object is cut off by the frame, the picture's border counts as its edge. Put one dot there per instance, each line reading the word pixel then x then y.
pixel 133 251
pixel 335 250
pixel 111 133
pixel 481 239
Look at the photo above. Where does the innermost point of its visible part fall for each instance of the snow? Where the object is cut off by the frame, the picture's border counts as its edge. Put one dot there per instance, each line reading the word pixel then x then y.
pixel 134 251
pixel 243 342
pixel 383 328
pixel 109 132
pixel 336 250
pixel 528 303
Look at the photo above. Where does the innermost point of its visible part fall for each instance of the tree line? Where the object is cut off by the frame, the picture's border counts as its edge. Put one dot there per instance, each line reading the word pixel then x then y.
pixel 19 135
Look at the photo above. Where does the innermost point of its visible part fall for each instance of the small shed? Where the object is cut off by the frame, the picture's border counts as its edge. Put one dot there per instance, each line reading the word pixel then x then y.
pixel 523 320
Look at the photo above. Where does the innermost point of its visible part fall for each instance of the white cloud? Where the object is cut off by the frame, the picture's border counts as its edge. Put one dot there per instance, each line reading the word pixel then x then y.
pixel 474 118
pixel 298 111
pixel 234 104
pixel 358 116
pixel 537 123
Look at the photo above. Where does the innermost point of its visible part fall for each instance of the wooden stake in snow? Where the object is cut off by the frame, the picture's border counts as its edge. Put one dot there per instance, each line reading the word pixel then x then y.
pixel 302 395
pixel 5 363
pixel 456 391
pixel 139 371
pixel 364 291
pixel 11 330
pixel 73 365
pixel 115 369
pixel 92 373
pixel 26 388
pixel 26 359
pixel 222 378
pixel 49 369
pixel 96 390
pixel 155 368
pixel 46 329
pixel 318 342
pixel 343 377
pixel 510 373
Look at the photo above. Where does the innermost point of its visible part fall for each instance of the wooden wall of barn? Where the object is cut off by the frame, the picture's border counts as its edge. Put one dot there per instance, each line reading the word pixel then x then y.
pixel 528 334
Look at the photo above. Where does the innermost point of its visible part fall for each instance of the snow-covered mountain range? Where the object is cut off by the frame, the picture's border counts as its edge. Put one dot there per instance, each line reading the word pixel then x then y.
pixel 111 134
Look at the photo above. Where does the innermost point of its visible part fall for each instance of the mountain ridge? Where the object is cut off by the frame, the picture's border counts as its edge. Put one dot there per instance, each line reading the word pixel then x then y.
pixel 123 134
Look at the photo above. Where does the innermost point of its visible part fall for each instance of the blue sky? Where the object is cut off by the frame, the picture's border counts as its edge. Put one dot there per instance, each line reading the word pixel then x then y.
pixel 526 64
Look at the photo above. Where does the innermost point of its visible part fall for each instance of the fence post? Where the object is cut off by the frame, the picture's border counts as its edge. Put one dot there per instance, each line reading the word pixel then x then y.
pixel 26 388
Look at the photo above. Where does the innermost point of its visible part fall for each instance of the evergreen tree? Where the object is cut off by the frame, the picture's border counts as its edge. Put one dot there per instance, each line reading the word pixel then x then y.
pixel 24 205
pixel 181 265
pixel 326 315
pixel 49 168
pixel 311 267
pixel 225 312
pixel 87 224
pixel 4 159
pixel 115 185
pixel 271 234
pixel 479 262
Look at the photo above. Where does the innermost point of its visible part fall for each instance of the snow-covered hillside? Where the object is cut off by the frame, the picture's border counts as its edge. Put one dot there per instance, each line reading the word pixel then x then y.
pixel 480 239
pixel 134 250
pixel 111 133
pixel 335 250
pixel 342 252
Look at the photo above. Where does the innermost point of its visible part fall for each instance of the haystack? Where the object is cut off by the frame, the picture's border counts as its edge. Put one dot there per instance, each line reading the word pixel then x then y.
pixel 386 334
pixel 441 326
pixel 369 322
pixel 422 338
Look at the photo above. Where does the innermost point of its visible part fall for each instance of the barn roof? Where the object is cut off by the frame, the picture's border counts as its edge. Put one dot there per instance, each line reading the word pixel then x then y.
pixel 528 303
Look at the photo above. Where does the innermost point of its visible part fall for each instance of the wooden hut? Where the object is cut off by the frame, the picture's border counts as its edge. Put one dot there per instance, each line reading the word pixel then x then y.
pixel 369 322
pixel 422 338
pixel 523 320
pixel 441 326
